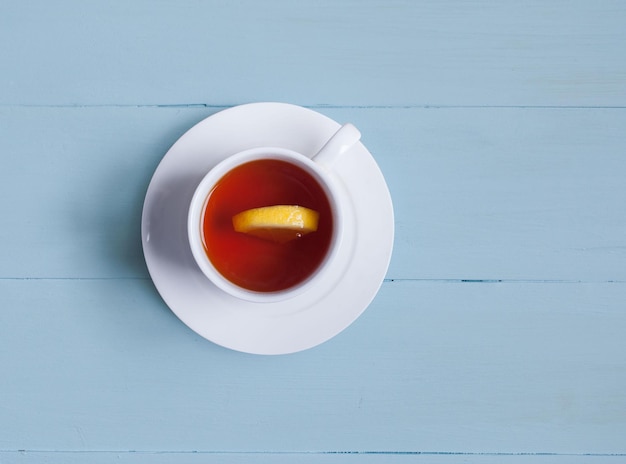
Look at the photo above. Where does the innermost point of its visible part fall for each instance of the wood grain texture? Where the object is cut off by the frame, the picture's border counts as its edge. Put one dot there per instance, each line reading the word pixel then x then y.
pixel 430 367
pixel 482 194
pixel 374 52
pixel 134 457
pixel 498 336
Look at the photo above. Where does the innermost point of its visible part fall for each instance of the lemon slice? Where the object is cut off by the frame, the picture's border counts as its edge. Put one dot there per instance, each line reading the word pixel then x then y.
pixel 279 223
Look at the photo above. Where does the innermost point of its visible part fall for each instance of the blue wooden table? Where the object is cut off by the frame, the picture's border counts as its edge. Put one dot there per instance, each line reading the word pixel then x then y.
pixel 499 333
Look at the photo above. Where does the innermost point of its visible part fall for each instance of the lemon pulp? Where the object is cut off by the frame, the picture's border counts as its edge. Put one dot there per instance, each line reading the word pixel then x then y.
pixel 278 223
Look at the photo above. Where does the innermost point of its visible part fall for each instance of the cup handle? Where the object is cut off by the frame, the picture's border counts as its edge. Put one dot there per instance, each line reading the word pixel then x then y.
pixel 337 145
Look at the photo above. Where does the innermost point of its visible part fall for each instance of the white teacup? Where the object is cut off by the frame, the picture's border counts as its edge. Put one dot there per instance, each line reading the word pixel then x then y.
pixel 319 168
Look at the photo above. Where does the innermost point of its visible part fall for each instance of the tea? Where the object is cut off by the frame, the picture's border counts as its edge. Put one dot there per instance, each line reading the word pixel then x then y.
pixel 251 262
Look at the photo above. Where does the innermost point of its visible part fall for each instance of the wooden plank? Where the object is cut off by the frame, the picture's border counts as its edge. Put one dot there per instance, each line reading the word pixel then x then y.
pixel 431 367
pixel 479 194
pixel 302 458
pixel 363 53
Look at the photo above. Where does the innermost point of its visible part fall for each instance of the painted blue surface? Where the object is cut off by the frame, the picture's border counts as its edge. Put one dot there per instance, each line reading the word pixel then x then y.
pixel 498 335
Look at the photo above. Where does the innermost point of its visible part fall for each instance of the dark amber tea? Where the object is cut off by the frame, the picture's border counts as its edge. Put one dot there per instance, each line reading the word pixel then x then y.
pixel 252 262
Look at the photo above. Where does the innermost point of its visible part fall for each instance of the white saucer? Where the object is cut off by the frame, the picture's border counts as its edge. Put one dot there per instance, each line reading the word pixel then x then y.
pixel 287 326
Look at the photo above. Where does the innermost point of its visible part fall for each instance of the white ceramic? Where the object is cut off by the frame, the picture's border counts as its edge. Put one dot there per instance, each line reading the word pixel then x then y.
pixel 286 326
pixel 319 167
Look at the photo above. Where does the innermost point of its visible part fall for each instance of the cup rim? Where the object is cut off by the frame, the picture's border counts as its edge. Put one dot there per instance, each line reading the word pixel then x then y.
pixel 196 215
